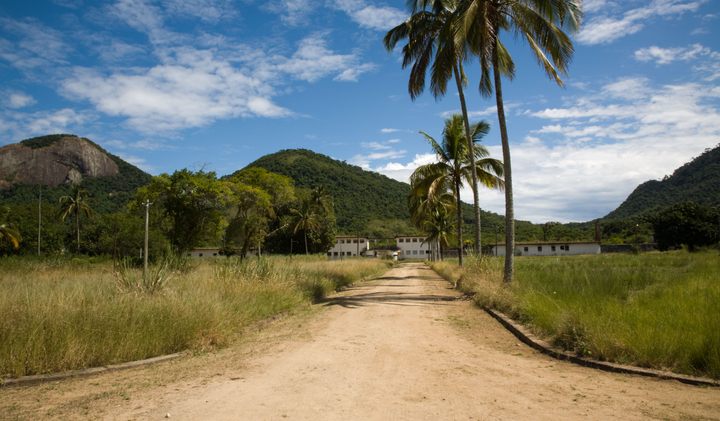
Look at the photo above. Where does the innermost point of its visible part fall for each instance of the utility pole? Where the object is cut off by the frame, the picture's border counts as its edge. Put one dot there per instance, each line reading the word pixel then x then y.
pixel 147 228
pixel 39 218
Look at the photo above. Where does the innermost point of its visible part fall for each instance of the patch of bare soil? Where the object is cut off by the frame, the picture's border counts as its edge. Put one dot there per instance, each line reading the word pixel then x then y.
pixel 399 347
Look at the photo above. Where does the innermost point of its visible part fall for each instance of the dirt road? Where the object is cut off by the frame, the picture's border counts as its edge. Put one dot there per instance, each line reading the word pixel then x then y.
pixel 400 347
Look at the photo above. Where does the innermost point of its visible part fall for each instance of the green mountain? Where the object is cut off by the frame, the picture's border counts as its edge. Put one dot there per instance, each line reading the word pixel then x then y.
pixel 368 202
pixel 697 181
pixel 359 196
pixel 54 162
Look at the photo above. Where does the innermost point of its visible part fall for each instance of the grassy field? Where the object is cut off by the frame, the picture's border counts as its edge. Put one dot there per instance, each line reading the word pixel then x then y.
pixel 658 310
pixel 68 314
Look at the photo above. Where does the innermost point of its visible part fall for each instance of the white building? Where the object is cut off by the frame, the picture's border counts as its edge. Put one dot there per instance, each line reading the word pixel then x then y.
pixel 348 246
pixel 412 247
pixel 558 248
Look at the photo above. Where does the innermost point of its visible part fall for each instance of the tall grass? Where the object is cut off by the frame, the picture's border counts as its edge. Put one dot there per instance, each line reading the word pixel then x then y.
pixel 61 315
pixel 658 310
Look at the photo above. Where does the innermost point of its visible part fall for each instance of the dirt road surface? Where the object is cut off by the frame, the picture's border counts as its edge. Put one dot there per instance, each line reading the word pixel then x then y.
pixel 399 347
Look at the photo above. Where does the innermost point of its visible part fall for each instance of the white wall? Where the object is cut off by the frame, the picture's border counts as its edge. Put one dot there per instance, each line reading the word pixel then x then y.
pixel 551 249
pixel 412 248
pixel 348 246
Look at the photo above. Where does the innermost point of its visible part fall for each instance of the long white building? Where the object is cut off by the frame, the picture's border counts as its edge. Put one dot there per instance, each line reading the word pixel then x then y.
pixel 558 248
pixel 348 246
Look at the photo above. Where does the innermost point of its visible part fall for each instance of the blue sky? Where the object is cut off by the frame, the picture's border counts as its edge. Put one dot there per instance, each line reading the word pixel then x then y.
pixel 215 84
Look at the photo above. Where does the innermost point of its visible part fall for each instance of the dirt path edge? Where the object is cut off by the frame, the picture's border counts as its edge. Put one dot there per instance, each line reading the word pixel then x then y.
pixel 522 333
pixel 44 378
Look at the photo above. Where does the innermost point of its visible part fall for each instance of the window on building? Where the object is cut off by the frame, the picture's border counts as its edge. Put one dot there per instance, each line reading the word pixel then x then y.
pixel 414 240
pixel 200 255
pixel 567 247
pixel 539 248
pixel 401 240
pixel 552 248
pixel 329 254
pixel 214 254
pixel 354 241
pixel 525 249
pixel 335 253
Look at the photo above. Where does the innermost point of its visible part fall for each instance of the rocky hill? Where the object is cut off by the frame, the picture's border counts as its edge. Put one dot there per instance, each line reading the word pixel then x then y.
pixel 53 160
pixel 58 161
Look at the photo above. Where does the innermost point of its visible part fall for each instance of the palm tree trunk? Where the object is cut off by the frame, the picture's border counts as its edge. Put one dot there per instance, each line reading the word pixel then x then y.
pixel 473 168
pixel 77 227
pixel 459 224
pixel 509 212
pixel 306 247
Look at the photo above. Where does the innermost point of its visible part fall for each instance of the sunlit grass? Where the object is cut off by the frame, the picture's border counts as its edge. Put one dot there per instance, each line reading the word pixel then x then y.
pixel 657 310
pixel 61 315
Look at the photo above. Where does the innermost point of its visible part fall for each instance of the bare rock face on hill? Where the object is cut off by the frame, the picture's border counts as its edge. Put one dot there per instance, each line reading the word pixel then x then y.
pixel 59 160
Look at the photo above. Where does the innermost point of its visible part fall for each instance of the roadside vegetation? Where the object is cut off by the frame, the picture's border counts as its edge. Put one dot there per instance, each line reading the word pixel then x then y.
pixel 659 310
pixel 64 314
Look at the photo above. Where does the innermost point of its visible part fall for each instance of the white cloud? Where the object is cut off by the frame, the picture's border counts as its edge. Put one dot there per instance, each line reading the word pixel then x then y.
pixel 400 171
pixel 704 60
pixel 378 151
pixel 606 29
pixel 380 18
pixel 668 55
pixel 15 125
pixel 601 147
pixel 206 10
pixel 192 87
pixel 292 12
pixel 18 100
pixel 192 90
pixel 35 45
pixel 313 60
pixel 389 130
pixel 597 149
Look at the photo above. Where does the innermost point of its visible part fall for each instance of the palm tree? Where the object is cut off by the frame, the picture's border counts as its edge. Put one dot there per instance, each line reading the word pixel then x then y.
pixel 438 225
pixel 75 204
pixel 430 33
pixel 11 235
pixel 540 23
pixel 453 167
pixel 305 219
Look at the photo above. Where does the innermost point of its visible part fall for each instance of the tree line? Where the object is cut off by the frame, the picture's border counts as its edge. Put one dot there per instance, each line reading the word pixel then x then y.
pixel 251 211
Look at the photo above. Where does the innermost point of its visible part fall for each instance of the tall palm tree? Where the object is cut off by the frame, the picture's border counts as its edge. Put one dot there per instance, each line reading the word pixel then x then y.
pixel 305 219
pixel 454 167
pixel 75 204
pixel 430 33
pixel 540 23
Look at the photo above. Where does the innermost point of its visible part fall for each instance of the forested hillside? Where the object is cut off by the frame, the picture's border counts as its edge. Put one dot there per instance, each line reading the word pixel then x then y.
pixel 375 205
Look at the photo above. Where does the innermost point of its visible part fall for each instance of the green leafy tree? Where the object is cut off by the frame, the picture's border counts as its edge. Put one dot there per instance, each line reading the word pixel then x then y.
pixel 430 34
pixel 193 203
pixel 688 224
pixel 454 167
pixel 75 204
pixel 540 23
pixel 252 210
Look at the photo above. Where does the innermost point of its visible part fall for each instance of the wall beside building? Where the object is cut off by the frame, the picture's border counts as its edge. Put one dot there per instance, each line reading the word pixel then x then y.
pixel 550 249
